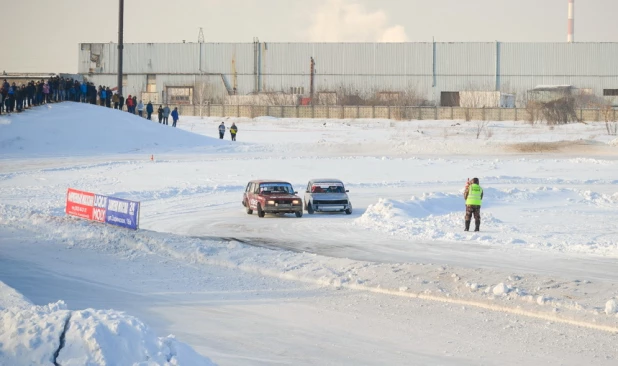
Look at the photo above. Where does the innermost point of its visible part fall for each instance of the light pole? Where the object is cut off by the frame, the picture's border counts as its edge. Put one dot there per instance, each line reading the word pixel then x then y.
pixel 120 43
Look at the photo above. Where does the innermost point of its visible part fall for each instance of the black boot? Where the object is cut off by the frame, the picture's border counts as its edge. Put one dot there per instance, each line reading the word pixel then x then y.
pixel 477 225
pixel 467 226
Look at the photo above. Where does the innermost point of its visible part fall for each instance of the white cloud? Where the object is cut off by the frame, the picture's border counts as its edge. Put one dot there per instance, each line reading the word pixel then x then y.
pixel 395 33
pixel 347 21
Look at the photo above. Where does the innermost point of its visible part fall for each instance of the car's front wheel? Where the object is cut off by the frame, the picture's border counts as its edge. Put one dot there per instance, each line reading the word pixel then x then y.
pixel 348 211
pixel 310 209
pixel 298 213
pixel 261 212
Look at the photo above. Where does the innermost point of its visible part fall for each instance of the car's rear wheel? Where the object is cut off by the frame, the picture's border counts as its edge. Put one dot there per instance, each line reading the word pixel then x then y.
pixel 298 213
pixel 261 212
pixel 310 209
pixel 248 208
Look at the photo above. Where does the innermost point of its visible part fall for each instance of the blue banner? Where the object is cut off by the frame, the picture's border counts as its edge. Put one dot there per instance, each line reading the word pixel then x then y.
pixel 121 212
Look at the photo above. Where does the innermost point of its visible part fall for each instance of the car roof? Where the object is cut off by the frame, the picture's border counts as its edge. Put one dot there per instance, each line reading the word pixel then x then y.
pixel 325 180
pixel 269 181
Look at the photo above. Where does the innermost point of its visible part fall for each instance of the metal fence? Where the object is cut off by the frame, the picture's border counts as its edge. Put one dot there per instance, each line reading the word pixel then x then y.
pixel 382 112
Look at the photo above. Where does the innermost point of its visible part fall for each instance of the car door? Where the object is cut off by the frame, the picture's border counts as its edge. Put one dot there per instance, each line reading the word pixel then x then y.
pixel 254 190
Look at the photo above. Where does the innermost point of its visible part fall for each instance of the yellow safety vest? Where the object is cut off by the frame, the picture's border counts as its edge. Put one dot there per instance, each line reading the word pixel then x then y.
pixel 474 195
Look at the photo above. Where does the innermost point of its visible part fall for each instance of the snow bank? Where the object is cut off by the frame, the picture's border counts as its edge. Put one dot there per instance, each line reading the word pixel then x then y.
pixel 96 337
pixel 43 335
pixel 431 216
pixel 611 307
pixel 440 216
pixel 10 298
pixel 31 335
pixel 69 129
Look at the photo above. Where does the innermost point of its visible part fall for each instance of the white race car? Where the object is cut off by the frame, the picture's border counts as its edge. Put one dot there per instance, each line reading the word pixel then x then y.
pixel 327 195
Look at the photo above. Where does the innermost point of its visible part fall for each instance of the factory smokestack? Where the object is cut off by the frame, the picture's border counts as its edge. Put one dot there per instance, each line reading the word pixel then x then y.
pixel 571 25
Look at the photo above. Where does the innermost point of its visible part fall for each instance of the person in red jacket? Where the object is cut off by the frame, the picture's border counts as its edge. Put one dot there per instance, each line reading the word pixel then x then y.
pixel 130 104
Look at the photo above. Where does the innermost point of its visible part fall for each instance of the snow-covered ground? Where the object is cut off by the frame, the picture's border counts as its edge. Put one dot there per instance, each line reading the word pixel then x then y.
pixel 54 335
pixel 396 282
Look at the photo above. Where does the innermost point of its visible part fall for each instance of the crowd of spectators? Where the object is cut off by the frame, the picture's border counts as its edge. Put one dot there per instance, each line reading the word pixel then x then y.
pixel 15 97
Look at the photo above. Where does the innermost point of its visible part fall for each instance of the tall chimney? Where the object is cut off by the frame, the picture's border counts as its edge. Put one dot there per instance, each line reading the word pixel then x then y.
pixel 571 24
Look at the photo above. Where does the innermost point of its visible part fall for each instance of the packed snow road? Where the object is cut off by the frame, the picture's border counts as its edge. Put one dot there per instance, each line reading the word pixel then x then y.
pixel 238 318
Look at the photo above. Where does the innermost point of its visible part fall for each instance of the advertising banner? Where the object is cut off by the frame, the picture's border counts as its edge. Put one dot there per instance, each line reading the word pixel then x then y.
pixel 122 212
pixel 79 203
pixel 109 210
pixel 100 208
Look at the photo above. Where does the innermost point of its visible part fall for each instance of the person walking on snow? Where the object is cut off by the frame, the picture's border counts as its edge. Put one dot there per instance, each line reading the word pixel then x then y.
pixel 221 130
pixel 473 195
pixel 233 131
pixel 174 116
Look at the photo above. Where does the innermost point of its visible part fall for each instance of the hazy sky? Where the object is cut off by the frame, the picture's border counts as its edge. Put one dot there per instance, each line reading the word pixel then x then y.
pixel 43 35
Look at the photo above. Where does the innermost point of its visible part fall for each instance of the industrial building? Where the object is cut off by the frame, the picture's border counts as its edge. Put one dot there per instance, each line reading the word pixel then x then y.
pixel 434 73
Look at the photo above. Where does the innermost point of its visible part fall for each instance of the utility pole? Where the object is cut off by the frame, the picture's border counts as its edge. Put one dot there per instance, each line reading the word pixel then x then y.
pixel 312 80
pixel 571 22
pixel 120 43
pixel 256 49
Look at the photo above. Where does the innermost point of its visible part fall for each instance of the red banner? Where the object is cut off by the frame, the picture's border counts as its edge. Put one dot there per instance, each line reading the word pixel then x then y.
pixel 80 203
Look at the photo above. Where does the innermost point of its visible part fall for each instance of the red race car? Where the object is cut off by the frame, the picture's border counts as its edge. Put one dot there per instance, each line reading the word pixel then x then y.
pixel 271 196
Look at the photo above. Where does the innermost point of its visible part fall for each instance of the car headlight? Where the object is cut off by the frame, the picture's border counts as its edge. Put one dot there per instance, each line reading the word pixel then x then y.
pixel 296 202
pixel 270 202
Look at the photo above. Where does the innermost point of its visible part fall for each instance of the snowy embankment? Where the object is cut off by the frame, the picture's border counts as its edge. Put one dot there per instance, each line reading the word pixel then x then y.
pixel 77 129
pixel 439 216
pixel 53 335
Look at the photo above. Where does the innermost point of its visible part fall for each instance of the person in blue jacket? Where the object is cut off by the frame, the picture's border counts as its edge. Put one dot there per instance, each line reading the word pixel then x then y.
pixel 84 90
pixel 149 110
pixel 102 96
pixel 174 117
pixel 221 130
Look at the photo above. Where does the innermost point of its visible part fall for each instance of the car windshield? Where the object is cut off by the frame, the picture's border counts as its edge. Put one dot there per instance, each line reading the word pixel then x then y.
pixel 327 188
pixel 276 188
